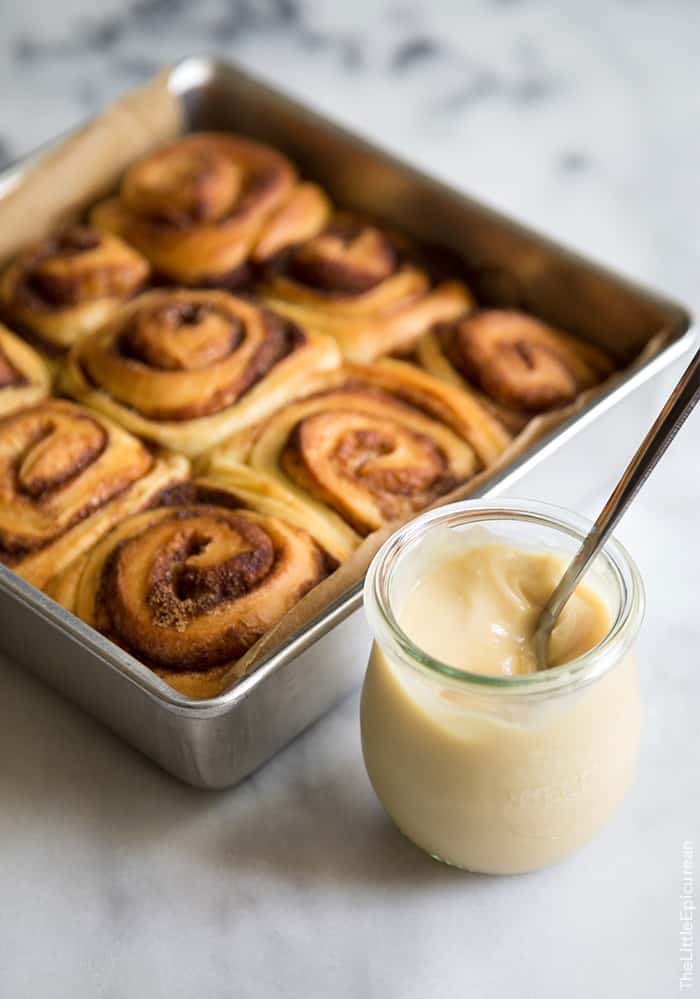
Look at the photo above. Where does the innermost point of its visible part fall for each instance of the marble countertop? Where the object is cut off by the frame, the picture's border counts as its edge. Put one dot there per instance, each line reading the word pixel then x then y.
pixel 116 880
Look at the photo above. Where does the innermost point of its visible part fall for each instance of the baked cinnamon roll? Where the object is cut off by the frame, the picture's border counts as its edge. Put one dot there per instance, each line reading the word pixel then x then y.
pixel 189 588
pixel 66 477
pixel 369 444
pixel 521 365
pixel 205 205
pixel 357 283
pixel 187 368
pixel 68 284
pixel 24 376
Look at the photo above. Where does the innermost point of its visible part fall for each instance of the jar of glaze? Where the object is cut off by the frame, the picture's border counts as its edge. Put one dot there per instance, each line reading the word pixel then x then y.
pixel 499 774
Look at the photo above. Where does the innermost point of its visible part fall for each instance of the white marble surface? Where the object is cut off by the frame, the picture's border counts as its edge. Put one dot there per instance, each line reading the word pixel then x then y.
pixel 115 880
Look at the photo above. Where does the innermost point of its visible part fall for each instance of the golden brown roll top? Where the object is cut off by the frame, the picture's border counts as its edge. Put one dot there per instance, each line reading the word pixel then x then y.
pixel 24 376
pixel 522 365
pixel 188 589
pixel 201 207
pixel 68 284
pixel 355 282
pixel 66 476
pixel 368 445
pixel 186 368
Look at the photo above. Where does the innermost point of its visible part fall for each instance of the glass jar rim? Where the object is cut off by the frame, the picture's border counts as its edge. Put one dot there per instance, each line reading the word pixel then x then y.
pixel 577 672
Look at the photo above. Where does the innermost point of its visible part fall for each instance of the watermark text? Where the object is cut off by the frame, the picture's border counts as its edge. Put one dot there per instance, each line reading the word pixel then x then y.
pixel 687 917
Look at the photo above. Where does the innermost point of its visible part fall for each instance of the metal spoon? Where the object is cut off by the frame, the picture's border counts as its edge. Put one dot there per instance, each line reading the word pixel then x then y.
pixel 669 421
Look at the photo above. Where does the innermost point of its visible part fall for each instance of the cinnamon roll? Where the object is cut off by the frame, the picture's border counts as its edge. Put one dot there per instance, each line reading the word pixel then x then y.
pixel 189 588
pixel 369 444
pixel 66 477
pixel 357 283
pixel 187 368
pixel 205 205
pixel 68 284
pixel 521 365
pixel 24 376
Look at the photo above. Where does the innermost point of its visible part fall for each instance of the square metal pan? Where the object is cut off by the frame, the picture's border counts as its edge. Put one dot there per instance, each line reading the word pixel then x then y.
pixel 217 742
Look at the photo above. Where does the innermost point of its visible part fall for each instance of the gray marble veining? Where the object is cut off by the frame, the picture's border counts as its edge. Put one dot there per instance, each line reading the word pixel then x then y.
pixel 116 881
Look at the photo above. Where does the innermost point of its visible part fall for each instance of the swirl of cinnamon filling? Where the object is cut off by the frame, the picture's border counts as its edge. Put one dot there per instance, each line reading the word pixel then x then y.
pixel 189 589
pixel 24 376
pixel 204 205
pixel 66 476
pixel 186 368
pixel 368 445
pixel 522 365
pixel 357 283
pixel 68 284
pixel 370 470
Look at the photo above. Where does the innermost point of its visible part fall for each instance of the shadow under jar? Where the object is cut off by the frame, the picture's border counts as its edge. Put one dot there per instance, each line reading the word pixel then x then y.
pixel 499 774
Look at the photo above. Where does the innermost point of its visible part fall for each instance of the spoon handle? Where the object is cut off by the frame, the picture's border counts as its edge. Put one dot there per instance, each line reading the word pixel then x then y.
pixel 669 421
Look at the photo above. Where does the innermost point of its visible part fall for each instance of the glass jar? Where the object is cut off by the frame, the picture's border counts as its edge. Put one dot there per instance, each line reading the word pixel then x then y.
pixel 499 774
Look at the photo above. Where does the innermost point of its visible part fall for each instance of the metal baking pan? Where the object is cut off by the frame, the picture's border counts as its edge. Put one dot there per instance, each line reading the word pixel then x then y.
pixel 217 742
